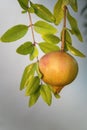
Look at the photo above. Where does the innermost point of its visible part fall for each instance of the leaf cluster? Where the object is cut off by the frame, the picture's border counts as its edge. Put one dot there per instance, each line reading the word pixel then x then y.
pixel 34 87
pixel 47 28
pixel 47 31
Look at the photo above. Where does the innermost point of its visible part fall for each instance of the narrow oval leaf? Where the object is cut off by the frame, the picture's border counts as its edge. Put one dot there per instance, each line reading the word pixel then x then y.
pixel 23 4
pixel 46 94
pixel 75 51
pixel 25 48
pixel 30 10
pixel 58 11
pixel 34 53
pixel 74 5
pixel 23 11
pixel 38 71
pixel 33 98
pixel 28 74
pixel 50 38
pixel 74 26
pixel 44 28
pixel 14 33
pixel 57 95
pixel 48 47
pixel 43 12
pixel 66 2
pixel 33 86
pixel 68 37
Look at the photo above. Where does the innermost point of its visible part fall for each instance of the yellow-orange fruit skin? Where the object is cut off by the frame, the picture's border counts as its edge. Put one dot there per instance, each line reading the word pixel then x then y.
pixel 58 68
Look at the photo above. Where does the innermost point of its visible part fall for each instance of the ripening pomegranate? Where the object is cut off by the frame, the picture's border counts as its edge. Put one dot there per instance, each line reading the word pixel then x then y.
pixel 58 69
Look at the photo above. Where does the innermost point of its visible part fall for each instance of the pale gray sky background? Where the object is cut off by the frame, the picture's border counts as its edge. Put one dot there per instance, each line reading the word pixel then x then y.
pixel 67 113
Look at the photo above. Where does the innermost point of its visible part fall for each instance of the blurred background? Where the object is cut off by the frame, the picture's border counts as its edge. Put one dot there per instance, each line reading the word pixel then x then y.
pixel 67 113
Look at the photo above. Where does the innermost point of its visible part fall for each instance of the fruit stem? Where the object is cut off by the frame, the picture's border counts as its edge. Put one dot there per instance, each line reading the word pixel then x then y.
pixel 64 30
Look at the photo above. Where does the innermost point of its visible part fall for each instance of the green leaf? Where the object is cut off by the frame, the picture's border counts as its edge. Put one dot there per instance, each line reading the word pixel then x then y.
pixel 46 94
pixel 43 12
pixel 74 26
pixel 34 53
pixel 57 95
pixel 50 38
pixel 74 51
pixel 48 47
pixel 44 28
pixel 28 74
pixel 30 10
pixel 74 5
pixel 33 86
pixel 68 37
pixel 38 71
pixel 33 98
pixel 23 4
pixel 14 33
pixel 25 48
pixel 58 11
pixel 66 2
pixel 23 11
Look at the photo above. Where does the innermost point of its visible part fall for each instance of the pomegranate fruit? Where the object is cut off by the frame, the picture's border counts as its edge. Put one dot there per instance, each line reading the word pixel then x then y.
pixel 58 69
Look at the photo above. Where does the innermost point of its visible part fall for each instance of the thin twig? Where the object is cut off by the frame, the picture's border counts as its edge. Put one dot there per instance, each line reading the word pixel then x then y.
pixel 33 37
pixel 30 19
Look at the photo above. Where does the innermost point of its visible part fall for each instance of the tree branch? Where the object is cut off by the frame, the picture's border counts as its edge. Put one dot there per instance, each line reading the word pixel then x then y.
pixel 64 30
